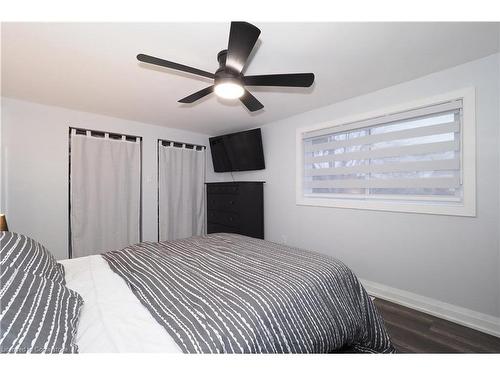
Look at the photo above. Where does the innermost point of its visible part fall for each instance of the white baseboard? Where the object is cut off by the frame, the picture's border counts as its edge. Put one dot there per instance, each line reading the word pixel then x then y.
pixel 473 319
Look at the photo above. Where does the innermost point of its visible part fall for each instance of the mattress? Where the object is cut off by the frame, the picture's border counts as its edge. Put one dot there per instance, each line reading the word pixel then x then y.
pixel 112 319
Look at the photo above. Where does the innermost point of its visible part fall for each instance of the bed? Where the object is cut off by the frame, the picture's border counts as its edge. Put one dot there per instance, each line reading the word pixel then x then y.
pixel 112 319
pixel 220 293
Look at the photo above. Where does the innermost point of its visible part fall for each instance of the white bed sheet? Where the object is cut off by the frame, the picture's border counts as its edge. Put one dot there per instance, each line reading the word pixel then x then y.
pixel 112 319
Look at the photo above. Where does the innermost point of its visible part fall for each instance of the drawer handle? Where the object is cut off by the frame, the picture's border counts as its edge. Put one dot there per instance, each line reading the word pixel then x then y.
pixel 230 219
pixel 231 202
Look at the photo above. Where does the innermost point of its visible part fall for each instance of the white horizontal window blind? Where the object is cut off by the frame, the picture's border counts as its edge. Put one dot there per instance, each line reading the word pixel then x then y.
pixel 408 156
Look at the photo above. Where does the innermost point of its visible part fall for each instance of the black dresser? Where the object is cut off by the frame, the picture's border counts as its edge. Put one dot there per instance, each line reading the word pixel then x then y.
pixel 236 207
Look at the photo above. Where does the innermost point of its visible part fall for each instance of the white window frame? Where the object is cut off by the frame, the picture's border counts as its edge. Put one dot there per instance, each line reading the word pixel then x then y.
pixel 468 155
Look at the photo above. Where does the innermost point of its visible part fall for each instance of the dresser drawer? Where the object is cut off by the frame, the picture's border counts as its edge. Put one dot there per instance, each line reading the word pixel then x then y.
pixel 222 189
pixel 217 228
pixel 223 202
pixel 223 218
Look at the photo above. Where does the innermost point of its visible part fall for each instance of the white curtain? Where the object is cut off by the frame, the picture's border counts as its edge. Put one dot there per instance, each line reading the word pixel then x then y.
pixel 105 193
pixel 181 192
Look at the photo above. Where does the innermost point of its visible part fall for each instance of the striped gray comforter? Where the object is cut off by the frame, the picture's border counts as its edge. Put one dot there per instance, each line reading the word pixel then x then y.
pixel 226 293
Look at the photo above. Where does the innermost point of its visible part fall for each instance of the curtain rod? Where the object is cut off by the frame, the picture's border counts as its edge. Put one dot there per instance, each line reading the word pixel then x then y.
pixel 101 134
pixel 166 142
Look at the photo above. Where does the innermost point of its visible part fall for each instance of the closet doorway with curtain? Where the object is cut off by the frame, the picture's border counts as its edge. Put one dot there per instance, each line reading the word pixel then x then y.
pixel 181 190
pixel 105 191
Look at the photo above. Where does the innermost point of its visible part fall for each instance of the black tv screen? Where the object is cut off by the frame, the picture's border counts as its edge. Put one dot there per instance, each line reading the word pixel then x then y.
pixel 238 151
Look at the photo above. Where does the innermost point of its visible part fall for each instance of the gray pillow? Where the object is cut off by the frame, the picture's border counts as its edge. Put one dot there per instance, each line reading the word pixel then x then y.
pixel 37 315
pixel 20 251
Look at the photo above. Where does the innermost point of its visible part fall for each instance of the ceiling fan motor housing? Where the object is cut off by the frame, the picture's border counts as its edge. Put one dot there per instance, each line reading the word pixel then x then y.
pixel 223 75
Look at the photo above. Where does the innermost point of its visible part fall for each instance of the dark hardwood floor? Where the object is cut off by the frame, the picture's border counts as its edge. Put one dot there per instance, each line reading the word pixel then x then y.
pixel 412 331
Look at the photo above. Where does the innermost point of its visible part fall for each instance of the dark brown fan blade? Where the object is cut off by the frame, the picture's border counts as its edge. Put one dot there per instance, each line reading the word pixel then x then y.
pixel 242 38
pixel 251 102
pixel 169 64
pixel 288 80
pixel 197 95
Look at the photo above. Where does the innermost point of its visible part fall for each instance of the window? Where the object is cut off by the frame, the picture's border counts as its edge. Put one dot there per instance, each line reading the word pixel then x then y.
pixel 420 159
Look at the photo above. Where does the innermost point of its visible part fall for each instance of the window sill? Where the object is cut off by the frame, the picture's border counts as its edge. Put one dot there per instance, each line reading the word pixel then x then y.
pixel 462 209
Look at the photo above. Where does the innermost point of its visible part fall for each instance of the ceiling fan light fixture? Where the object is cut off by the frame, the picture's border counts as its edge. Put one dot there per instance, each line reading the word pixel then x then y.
pixel 229 90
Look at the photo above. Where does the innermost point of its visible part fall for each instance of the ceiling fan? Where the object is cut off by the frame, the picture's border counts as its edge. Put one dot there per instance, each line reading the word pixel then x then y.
pixel 229 82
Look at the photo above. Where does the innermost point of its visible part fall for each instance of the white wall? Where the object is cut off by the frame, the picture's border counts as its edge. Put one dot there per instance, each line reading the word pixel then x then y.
pixel 446 258
pixel 498 104
pixel 34 142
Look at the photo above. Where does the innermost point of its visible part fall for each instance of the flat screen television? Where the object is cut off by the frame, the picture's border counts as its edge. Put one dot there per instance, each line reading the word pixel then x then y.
pixel 237 151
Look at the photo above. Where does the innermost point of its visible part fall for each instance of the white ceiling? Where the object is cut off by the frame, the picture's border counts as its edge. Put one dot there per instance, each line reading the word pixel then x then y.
pixel 92 67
